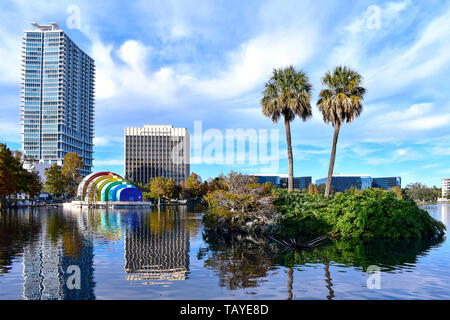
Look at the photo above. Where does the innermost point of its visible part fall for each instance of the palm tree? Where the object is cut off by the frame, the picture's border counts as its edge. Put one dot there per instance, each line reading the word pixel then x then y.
pixel 340 102
pixel 287 94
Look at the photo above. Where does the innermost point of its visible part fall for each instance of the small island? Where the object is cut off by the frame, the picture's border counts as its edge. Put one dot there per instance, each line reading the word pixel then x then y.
pixel 241 205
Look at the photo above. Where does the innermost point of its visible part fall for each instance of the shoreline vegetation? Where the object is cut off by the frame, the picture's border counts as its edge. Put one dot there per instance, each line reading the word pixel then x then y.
pixel 240 205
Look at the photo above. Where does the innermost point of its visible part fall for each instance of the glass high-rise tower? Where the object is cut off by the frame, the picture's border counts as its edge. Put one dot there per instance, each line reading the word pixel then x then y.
pixel 57 97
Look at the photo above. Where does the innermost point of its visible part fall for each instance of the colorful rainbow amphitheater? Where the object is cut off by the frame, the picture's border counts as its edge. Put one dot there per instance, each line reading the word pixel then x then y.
pixel 107 189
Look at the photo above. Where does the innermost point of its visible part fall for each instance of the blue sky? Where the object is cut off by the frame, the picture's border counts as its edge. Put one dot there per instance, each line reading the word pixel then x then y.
pixel 176 62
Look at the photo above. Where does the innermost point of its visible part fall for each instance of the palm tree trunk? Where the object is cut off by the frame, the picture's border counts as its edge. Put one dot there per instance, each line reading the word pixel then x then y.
pixel 289 283
pixel 328 281
pixel 332 158
pixel 290 157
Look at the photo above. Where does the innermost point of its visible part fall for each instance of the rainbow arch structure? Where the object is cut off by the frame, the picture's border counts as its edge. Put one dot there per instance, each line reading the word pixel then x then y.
pixel 107 186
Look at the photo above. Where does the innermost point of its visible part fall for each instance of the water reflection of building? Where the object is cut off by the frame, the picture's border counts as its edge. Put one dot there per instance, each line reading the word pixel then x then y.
pixel 46 261
pixel 158 249
pixel 445 211
pixel 41 269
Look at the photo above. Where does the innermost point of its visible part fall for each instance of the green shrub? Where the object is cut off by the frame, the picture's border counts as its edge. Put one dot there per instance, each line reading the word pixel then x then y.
pixel 366 214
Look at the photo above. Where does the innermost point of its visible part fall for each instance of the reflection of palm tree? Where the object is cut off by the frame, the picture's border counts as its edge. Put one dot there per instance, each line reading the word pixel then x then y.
pixel 290 282
pixel 328 281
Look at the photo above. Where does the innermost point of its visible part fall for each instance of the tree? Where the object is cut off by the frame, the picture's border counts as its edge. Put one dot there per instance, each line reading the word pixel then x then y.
pixel 71 171
pixel 7 184
pixel 242 203
pixel 321 189
pixel 12 161
pixel 420 192
pixel 194 186
pixel 216 183
pixel 312 189
pixel 171 189
pixel 15 179
pixel 35 186
pixel 141 186
pixel 158 188
pixel 56 183
pixel 340 102
pixel 398 191
pixel 21 176
pixel 287 94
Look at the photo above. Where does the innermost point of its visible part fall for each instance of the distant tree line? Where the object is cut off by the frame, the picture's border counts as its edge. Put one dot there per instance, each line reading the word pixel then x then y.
pixel 194 189
pixel 421 193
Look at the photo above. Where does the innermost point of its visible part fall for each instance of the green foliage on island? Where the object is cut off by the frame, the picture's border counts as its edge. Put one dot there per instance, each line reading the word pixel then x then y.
pixel 366 214
pixel 242 205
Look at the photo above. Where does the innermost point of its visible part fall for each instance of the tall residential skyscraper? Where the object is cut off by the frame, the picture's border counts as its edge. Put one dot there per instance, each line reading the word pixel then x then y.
pixel 157 151
pixel 57 97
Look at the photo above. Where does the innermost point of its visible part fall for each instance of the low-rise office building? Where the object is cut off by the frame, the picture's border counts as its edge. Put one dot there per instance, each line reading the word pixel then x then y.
pixel 275 180
pixel 281 181
pixel 387 183
pixel 299 182
pixel 340 183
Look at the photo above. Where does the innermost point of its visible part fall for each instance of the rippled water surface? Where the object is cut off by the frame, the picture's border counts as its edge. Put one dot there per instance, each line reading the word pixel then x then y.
pixel 165 254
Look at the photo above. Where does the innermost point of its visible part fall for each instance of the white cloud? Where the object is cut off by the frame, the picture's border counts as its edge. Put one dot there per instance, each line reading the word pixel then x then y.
pixel 364 151
pixel 102 141
pixel 399 155
pixel 356 38
pixel 255 60
pixel 248 66
pixel 418 117
pixel 438 151
pixel 108 162
pixel 132 76
pixel 429 55
pixel 9 57
pixel 387 66
pixel 134 53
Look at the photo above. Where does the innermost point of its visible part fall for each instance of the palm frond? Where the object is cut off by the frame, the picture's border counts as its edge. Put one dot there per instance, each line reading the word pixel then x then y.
pixel 287 93
pixel 341 100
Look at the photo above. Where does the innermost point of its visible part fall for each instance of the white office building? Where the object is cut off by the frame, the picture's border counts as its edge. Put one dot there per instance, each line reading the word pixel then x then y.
pixel 157 151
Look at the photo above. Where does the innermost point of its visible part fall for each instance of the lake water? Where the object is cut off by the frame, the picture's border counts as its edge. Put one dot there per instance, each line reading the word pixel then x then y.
pixel 165 254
